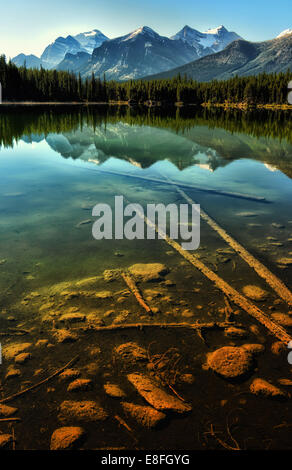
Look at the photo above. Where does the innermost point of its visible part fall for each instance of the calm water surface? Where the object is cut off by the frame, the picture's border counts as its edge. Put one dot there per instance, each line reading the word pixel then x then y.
pixel 55 165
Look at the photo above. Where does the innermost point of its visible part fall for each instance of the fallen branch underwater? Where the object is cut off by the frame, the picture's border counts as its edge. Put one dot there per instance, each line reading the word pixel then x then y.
pixel 233 295
pixel 135 291
pixel 271 279
pixel 22 392
pixel 191 326
pixel 185 185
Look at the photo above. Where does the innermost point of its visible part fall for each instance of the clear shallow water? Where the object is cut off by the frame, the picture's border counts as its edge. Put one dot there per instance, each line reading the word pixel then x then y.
pixel 56 166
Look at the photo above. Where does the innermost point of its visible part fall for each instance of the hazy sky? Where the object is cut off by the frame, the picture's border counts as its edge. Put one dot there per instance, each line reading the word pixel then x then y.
pixel 30 25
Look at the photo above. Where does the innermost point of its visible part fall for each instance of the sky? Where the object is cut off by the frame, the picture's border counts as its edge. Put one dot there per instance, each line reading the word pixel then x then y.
pixel 28 26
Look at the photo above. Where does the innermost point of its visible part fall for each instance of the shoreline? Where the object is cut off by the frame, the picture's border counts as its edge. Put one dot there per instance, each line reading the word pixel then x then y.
pixel 151 104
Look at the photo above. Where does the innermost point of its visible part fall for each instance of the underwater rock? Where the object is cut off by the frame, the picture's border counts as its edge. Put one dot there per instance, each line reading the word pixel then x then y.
pixel 12 350
pixel 278 348
pixel 111 274
pixel 187 378
pixel 254 348
pixel 149 271
pixel 12 373
pixel 113 390
pixel 255 292
pixel 42 342
pixel 234 332
pixel 230 362
pixel 69 374
pixel 255 329
pixel 5 439
pixel 66 437
pixel 65 336
pixel 88 411
pixel 6 411
pixel 156 396
pixel 92 368
pixel 94 319
pixel 80 385
pixel 72 317
pixel 104 294
pixel 285 382
pixel 144 415
pixel 264 388
pixel 131 352
pixel 282 319
pixel 122 317
pixel 187 313
pixel 22 358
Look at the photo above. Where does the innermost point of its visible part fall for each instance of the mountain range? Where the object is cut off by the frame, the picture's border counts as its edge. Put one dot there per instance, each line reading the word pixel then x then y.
pixel 55 52
pixel 143 53
pixel 139 53
pixel 240 58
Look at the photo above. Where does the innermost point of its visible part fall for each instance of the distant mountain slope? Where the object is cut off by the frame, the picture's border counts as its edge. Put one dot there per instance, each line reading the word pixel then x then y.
pixel 91 40
pixel 55 52
pixel 74 62
pixel 31 61
pixel 239 58
pixel 137 54
pixel 134 55
pixel 213 40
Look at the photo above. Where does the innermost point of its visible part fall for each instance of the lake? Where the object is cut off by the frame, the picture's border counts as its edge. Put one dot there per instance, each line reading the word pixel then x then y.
pixel 60 286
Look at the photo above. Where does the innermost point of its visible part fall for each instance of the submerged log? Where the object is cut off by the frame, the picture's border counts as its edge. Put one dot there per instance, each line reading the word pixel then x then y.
pixel 277 285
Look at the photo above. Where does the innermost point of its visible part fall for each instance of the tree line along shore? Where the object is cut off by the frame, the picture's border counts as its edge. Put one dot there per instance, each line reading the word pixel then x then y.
pixel 20 84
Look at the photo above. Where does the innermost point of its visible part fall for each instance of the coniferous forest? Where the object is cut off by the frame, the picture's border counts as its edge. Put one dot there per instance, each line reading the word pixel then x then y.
pixel 40 85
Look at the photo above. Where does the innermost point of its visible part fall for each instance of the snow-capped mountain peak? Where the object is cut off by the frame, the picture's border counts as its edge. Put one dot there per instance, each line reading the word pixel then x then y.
pixel 90 40
pixel 82 42
pixel 213 40
pixel 143 30
pixel 220 29
pixel 286 32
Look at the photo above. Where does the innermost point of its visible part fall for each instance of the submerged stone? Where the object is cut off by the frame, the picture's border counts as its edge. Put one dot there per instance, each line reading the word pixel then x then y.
pixel 233 332
pixel 65 336
pixel 144 415
pixel 264 388
pixel 156 396
pixel 149 271
pixel 278 348
pixel 255 292
pixel 69 374
pixel 187 378
pixel 66 437
pixel 113 390
pixel 12 350
pixel 5 439
pixel 131 352
pixel 285 382
pixel 6 411
pixel 42 343
pixel 84 410
pixel 22 358
pixel 254 348
pixel 282 319
pixel 230 362
pixel 72 317
pixel 12 373
pixel 80 385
